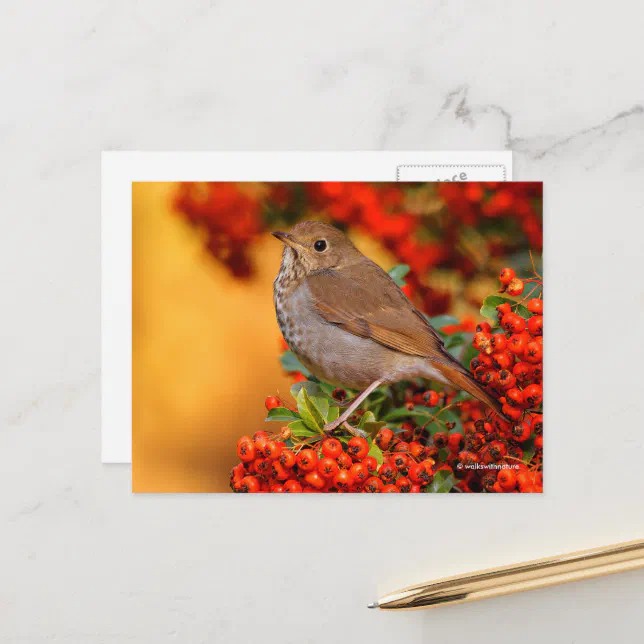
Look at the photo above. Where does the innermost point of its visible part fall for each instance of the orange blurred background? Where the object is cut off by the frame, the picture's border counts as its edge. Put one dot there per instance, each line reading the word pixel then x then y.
pixel 205 348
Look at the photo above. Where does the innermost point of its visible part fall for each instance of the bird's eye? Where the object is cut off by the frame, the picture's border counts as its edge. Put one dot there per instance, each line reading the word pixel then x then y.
pixel 320 245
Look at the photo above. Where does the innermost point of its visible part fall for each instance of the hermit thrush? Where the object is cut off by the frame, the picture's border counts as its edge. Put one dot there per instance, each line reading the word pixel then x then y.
pixel 350 325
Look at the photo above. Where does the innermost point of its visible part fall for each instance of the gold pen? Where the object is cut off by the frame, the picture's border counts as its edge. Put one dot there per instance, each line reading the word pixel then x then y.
pixel 483 584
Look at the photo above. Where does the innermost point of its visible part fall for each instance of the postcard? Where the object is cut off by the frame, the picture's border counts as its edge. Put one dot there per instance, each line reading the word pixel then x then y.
pixel 121 169
pixel 337 336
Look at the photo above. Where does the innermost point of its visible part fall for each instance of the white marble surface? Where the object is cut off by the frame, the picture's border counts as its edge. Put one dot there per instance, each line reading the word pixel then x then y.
pixel 560 84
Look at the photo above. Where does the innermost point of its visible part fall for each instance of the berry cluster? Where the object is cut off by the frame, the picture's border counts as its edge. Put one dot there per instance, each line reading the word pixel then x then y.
pixel 418 439
pixel 331 465
pixel 450 226
pixel 510 361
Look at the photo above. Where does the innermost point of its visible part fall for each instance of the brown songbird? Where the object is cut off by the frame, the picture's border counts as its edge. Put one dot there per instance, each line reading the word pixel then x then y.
pixel 350 325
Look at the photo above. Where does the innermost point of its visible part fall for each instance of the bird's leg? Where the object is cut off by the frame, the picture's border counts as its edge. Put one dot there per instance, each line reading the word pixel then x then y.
pixel 355 403
pixel 354 431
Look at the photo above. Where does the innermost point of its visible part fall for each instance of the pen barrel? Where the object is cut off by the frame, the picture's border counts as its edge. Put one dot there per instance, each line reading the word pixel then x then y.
pixel 516 578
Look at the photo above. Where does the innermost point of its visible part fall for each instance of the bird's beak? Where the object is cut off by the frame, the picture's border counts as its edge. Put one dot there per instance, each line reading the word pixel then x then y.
pixel 289 240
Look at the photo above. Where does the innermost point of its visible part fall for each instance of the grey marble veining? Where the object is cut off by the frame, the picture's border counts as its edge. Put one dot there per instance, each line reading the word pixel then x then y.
pixel 559 84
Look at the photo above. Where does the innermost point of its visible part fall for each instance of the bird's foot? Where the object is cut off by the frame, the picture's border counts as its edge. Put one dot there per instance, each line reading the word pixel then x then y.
pixel 329 427
pixel 354 431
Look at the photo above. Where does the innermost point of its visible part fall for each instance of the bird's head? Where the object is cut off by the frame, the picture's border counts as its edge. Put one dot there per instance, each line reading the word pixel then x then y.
pixel 315 245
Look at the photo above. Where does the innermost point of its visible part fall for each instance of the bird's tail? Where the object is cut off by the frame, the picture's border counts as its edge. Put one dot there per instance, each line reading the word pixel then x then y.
pixel 463 379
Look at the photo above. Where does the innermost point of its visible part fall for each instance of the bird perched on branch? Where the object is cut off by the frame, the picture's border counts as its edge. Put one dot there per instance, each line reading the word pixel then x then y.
pixel 350 325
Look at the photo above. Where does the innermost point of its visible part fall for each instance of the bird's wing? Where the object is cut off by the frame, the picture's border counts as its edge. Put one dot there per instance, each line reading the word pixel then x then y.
pixel 365 301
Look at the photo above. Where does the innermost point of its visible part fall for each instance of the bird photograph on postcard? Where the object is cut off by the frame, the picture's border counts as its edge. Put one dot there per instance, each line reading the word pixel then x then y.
pixel 338 337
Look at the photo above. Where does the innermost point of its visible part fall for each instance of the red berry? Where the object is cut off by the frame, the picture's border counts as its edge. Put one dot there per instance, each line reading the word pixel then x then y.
pixel 502 360
pixel 344 461
pixel 514 397
pixel 307 460
pixel 483 327
pixel 512 412
pixel 287 458
pixel 360 473
pixel 331 447
pixel 419 474
pixel 498 342
pixel 431 398
pixel 537 424
pixel 272 450
pixel 440 439
pixel 505 379
pixel 390 488
pixel 403 484
pixel 260 441
pixel 521 431
pixel 506 275
pixel 279 472
pixel 455 443
pixel 538 442
pixel 533 353
pixel 535 325
pixel 416 449
pixel 249 484
pixel 246 451
pixel 272 402
pixel 343 480
pixel 401 462
pixel 536 306
pixel 503 309
pixel 515 287
pixel 357 448
pixel 513 323
pixel 401 446
pixel 522 372
pixel 517 343
pixel 387 473
pixel 533 395
pixel 407 432
pixel 482 342
pixel 328 467
pixel 384 438
pixel 292 486
pixel 315 479
pixel 370 463
pixel 507 479
pixel 277 488
pixel 373 485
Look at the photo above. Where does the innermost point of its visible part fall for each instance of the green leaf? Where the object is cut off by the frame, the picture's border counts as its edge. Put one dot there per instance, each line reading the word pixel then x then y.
pixel 300 430
pixel 309 412
pixel 312 388
pixel 443 482
pixel 290 363
pixel 490 303
pixel 403 412
pixel 327 389
pixel 468 353
pixel 439 321
pixel 397 273
pixel 367 417
pixel 376 452
pixel 321 404
pixel 450 417
pixel 528 450
pixel 370 425
pixel 334 414
pixel 281 413
pixel 373 428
